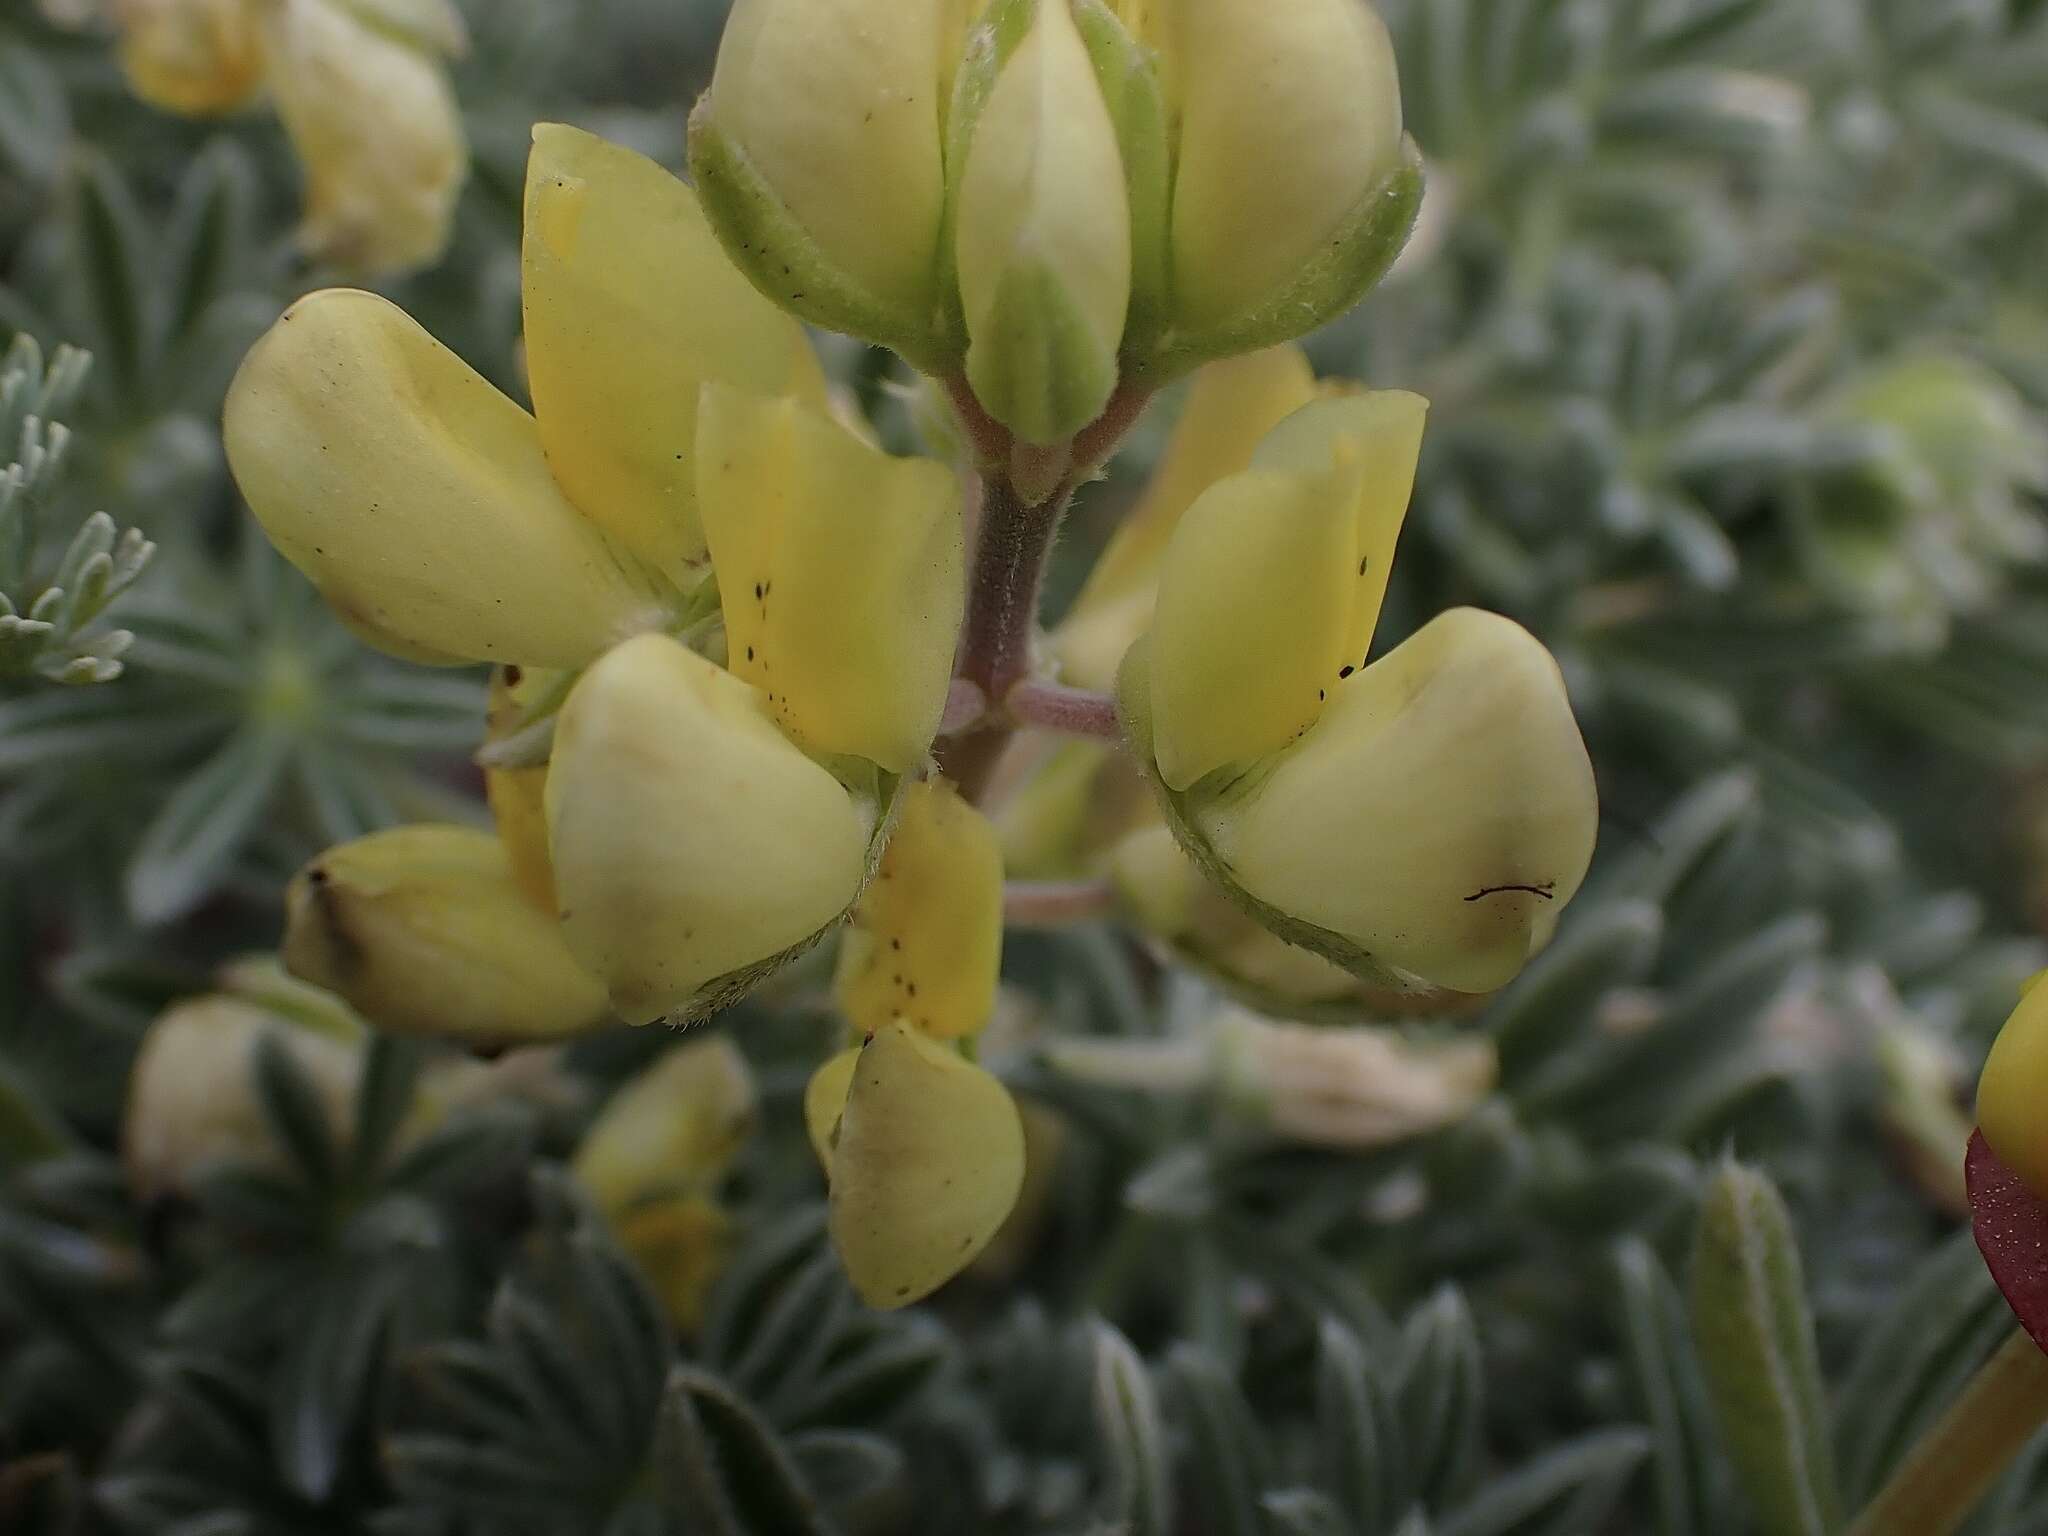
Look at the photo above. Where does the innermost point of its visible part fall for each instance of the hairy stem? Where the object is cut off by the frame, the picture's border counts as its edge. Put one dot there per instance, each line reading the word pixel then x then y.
pixel 1002 598
pixel 1956 1462
pixel 1069 711
pixel 1055 903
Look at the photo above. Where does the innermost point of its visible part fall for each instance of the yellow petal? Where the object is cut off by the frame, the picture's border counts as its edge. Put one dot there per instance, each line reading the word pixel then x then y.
pixel 517 795
pixel 1044 242
pixel 1254 618
pixel 682 1246
pixel 841 571
pixel 1439 815
pixel 825 1102
pixel 836 105
pixel 1230 407
pixel 928 1163
pixel 193 57
pixel 192 1096
pixel 1383 430
pixel 691 840
pixel 414 495
pixel 377 131
pixel 630 306
pixel 926 942
pixel 424 932
pixel 2012 1100
pixel 1290 117
pixel 675 1128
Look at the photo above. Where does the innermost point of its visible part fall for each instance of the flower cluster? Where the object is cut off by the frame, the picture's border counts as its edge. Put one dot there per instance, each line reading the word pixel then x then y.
pixel 362 91
pixel 757 679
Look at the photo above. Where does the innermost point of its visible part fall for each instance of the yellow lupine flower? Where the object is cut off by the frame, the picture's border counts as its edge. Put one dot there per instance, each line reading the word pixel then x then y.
pixel 1421 820
pixel 192 57
pixel 925 1156
pixel 192 1100
pixel 446 524
pixel 654 1160
pixel 416 496
pixel 424 931
pixel 1044 238
pixel 691 840
pixel 926 942
pixel 1231 406
pixel 377 130
pixel 2012 1099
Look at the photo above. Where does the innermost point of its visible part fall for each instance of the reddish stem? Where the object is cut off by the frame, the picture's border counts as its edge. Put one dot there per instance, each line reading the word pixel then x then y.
pixel 1068 711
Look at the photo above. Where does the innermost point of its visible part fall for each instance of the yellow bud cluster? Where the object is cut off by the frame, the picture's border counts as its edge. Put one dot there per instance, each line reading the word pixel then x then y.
pixel 1049 197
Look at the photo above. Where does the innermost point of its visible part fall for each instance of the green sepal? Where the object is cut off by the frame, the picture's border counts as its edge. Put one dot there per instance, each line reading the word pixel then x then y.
pixel 1040 370
pixel 1354 260
pixel 767 243
pixel 1134 708
pixel 868 785
pixel 1129 75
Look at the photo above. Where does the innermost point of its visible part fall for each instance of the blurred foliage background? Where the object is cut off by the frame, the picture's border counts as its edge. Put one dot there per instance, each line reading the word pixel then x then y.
pixel 1734 316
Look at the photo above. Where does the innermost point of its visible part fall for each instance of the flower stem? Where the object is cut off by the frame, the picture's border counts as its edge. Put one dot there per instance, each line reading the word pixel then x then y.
pixel 1055 903
pixel 1966 1451
pixel 1002 599
pixel 1068 711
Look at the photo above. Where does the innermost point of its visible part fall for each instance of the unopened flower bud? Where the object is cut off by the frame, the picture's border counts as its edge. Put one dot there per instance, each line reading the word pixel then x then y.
pixel 695 846
pixel 377 130
pixel 925 1155
pixel 818 153
pixel 2012 1099
pixel 192 1097
pixel 1044 237
pixel 926 941
pixel 424 931
pixel 1293 189
pixel 193 57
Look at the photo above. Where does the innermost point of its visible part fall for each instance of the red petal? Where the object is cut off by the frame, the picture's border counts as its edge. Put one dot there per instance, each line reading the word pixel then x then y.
pixel 2011 1222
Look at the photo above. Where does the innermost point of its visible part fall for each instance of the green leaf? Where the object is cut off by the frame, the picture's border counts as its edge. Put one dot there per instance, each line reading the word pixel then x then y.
pixel 391 1073
pixel 1442 1388
pixel 1564 1492
pixel 204 824
pixel 1360 1456
pixel 1754 1334
pixel 1223 1463
pixel 319 1388
pixel 1685 1458
pixel 296 1113
pixel 1137 1472
pixel 721 1469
